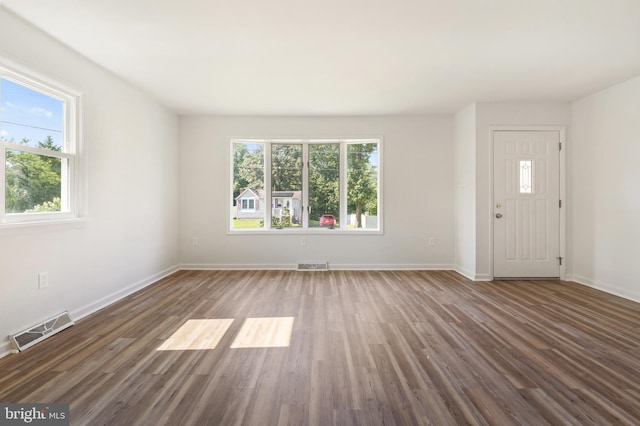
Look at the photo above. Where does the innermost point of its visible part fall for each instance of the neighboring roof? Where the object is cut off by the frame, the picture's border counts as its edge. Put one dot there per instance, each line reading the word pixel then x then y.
pixel 287 194
pixel 259 193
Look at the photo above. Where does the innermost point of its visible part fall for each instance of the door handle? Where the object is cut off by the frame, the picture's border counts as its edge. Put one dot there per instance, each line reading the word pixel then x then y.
pixel 498 215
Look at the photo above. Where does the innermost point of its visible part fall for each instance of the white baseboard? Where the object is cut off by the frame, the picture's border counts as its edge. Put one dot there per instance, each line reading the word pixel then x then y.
pixel 607 288
pixel 235 267
pixel 472 275
pixel 483 277
pixel 332 266
pixel 391 267
pixel 6 348
pixel 82 312
pixel 467 274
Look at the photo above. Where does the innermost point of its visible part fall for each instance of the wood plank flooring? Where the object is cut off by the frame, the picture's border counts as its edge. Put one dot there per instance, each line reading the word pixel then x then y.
pixel 367 348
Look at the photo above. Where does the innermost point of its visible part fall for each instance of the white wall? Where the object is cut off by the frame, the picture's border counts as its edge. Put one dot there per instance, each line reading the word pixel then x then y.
pixel 504 114
pixel 606 189
pixel 465 191
pixel 417 159
pixel 130 237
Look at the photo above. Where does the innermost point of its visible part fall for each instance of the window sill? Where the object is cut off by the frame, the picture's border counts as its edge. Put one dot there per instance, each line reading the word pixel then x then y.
pixel 308 231
pixel 39 224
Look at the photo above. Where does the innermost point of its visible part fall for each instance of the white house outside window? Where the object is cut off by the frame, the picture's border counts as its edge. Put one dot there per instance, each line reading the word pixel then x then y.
pixel 311 185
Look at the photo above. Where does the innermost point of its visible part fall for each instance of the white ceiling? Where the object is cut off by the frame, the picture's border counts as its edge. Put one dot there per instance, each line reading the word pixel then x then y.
pixel 349 57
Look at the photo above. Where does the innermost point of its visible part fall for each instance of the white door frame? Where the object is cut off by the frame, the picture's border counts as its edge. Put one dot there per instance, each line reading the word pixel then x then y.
pixel 563 197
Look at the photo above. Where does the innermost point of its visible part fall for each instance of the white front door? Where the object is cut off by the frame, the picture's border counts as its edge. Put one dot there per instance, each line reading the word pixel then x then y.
pixel 526 205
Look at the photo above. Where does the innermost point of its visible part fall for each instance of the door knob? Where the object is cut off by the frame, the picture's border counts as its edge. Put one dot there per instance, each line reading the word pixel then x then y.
pixel 498 215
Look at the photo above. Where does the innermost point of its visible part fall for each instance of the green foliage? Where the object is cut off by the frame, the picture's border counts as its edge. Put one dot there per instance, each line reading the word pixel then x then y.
pixel 48 206
pixel 248 167
pixel 32 180
pixel 281 223
pixel 285 221
pixel 286 167
pixel 324 180
pixel 361 181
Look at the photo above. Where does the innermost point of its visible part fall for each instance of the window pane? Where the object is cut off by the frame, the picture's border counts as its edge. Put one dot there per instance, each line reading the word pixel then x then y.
pixel 33 183
pixel 248 206
pixel 362 185
pixel 324 185
pixel 29 117
pixel 286 185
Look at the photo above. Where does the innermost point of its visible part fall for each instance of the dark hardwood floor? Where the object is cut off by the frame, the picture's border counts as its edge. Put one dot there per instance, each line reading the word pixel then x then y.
pixel 365 348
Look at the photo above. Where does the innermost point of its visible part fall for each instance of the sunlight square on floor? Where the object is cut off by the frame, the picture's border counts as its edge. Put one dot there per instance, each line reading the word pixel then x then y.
pixel 197 334
pixel 274 332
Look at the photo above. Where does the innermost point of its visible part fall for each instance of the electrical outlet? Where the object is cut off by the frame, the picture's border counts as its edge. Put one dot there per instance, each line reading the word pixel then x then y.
pixel 43 280
pixel 431 241
pixel 303 241
pixel 195 241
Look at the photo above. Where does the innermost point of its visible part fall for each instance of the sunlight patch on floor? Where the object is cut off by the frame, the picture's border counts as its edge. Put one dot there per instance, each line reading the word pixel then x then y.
pixel 197 334
pixel 272 332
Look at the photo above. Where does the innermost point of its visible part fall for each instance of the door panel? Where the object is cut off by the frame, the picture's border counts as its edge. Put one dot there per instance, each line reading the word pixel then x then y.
pixel 526 240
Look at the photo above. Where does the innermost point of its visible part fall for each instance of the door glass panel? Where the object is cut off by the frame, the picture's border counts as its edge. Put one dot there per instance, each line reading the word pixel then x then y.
pixel 324 185
pixel 526 176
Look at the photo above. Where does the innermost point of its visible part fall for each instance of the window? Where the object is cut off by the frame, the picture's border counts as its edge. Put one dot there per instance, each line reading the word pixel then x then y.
pixel 38 142
pixel 248 204
pixel 308 184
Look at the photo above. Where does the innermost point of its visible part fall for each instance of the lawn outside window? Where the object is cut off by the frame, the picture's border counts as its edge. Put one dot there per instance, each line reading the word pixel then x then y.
pixel 39 142
pixel 294 185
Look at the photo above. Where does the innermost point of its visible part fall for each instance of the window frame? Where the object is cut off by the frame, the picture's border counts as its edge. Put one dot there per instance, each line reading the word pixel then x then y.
pixel 69 154
pixel 304 228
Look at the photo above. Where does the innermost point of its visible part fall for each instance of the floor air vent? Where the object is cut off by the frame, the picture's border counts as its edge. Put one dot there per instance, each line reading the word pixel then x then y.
pixel 41 331
pixel 313 266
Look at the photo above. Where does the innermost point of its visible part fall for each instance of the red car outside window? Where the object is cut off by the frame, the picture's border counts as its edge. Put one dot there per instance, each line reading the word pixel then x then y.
pixel 327 220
